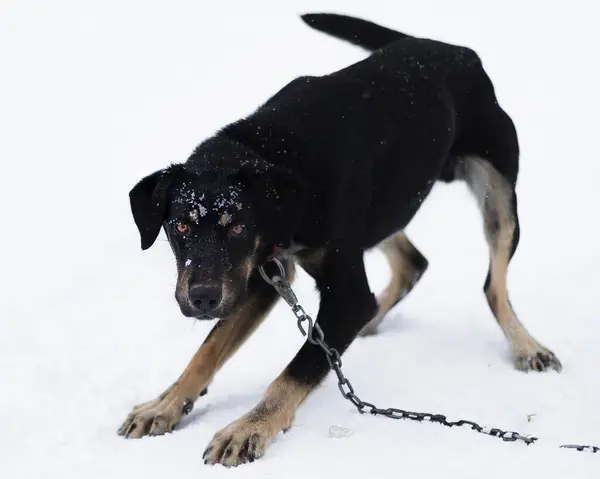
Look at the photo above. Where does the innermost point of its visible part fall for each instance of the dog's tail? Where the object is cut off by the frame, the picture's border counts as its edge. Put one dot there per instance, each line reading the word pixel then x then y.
pixel 362 33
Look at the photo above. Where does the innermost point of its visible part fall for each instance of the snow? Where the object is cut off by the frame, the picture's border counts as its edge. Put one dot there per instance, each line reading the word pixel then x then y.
pixel 97 95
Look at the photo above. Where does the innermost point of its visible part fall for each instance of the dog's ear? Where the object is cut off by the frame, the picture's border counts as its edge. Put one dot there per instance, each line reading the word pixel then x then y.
pixel 280 196
pixel 148 200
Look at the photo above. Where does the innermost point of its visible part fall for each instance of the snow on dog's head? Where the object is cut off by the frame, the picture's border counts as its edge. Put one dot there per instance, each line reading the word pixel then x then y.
pixel 223 216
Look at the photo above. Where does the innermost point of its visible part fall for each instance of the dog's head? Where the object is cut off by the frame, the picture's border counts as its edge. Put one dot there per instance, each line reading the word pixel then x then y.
pixel 221 226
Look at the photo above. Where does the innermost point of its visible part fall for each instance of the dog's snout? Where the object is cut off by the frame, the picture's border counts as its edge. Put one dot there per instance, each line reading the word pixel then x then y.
pixel 205 298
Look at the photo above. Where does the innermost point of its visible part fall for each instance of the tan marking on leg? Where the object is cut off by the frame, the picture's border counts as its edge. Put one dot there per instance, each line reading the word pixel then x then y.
pixel 247 438
pixel 162 414
pixel 494 195
pixel 527 352
pixel 311 260
pixel 398 251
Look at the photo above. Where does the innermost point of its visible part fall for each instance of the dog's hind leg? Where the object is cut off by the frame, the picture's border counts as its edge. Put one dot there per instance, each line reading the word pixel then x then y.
pixel 497 201
pixel 407 266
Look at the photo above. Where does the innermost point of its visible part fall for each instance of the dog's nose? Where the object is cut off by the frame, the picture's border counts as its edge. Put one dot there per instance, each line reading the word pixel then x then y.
pixel 205 298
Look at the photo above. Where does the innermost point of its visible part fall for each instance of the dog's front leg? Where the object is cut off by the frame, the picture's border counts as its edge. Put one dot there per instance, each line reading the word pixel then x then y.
pixel 347 304
pixel 161 415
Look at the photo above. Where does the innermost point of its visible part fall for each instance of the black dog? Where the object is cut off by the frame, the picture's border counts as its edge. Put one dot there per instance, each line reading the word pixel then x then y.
pixel 328 168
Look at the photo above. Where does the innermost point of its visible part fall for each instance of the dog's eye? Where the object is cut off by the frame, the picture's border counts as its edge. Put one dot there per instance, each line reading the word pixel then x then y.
pixel 237 230
pixel 182 227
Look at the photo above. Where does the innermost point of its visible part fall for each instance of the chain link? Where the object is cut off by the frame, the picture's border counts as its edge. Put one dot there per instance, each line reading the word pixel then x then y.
pixel 314 335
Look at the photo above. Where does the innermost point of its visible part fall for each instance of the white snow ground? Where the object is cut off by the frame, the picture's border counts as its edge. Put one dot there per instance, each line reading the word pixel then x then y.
pixel 96 94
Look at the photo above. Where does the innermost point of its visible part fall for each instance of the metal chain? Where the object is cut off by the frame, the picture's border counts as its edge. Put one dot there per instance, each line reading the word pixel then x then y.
pixel 314 335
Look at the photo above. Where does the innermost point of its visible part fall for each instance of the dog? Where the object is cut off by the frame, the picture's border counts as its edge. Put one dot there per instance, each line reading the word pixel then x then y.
pixel 326 169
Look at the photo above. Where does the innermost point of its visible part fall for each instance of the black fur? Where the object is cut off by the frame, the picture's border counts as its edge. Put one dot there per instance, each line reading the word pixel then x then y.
pixel 336 164
pixel 362 33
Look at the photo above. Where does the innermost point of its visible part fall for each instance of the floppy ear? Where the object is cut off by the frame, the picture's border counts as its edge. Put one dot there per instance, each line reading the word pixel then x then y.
pixel 280 196
pixel 148 200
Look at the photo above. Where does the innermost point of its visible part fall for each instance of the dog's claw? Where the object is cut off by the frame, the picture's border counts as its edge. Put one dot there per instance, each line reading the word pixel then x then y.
pixel 541 361
pixel 161 425
pixel 130 428
pixel 122 431
pixel 206 453
pixel 188 405
pixel 157 417
pixel 239 443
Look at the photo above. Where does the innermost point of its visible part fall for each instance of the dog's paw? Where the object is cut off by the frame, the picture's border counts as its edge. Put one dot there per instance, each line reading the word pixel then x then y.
pixel 157 417
pixel 540 359
pixel 244 440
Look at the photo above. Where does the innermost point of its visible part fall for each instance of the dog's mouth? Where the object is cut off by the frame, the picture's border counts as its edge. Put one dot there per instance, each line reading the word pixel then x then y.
pixel 188 310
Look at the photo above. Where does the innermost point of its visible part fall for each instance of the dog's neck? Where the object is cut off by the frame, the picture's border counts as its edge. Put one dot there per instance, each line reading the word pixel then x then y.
pixel 286 253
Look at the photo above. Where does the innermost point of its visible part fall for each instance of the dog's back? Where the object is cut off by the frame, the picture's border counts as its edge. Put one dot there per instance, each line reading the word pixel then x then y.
pixel 461 71
pixel 382 128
